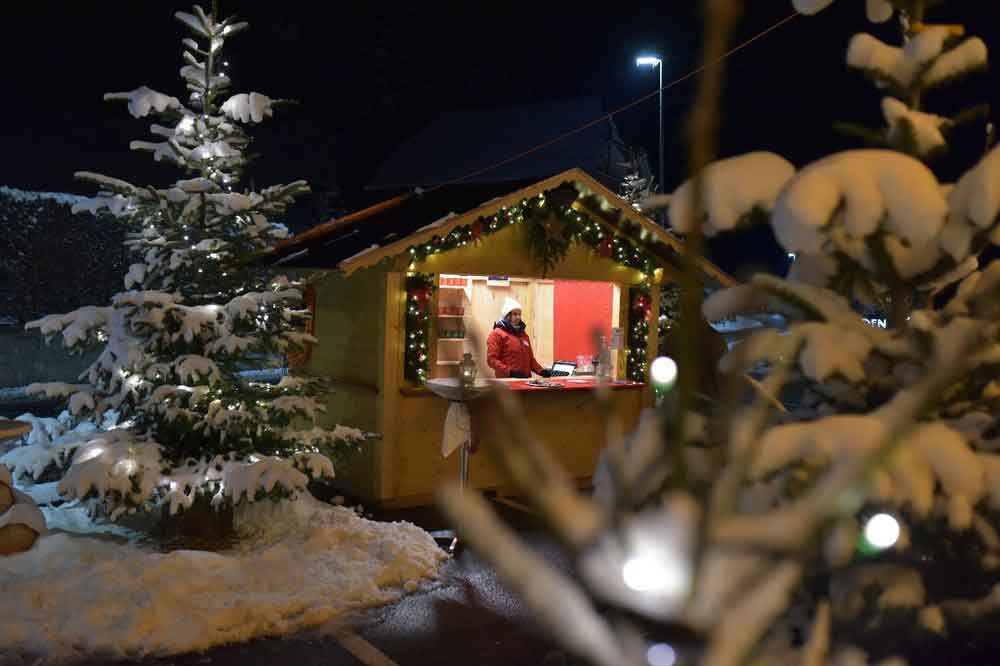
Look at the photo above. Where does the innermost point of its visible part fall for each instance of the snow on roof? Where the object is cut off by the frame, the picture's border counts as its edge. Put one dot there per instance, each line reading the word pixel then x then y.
pixel 371 248
pixel 29 196
pixel 441 220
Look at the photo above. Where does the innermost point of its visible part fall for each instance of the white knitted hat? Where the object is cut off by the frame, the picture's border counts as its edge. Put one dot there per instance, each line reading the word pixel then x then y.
pixel 508 305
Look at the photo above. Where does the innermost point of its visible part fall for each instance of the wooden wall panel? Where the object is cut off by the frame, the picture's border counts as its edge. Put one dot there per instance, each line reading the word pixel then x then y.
pixel 352 339
pixel 542 325
pixel 616 321
pixel 416 469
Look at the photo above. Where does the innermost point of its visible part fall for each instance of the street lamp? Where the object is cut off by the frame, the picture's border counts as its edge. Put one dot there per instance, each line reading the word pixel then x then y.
pixel 654 61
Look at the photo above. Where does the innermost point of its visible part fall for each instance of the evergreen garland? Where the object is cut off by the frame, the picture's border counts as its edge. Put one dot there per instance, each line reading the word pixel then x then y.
pixel 549 242
pixel 638 333
pixel 419 287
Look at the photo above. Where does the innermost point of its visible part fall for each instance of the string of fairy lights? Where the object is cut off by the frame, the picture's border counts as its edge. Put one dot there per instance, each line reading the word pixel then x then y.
pixel 557 218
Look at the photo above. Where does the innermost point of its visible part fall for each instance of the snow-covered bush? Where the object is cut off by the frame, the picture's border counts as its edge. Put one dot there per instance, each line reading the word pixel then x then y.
pixel 195 312
pixel 850 509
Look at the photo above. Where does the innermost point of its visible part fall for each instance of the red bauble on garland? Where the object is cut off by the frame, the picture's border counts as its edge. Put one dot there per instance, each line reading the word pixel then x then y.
pixel 642 304
pixel 606 247
pixel 422 295
pixel 477 230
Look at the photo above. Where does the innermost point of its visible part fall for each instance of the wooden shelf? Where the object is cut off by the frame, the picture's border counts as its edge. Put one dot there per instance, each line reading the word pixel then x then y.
pixel 453 286
pixel 448 362
pixel 440 316
pixel 451 339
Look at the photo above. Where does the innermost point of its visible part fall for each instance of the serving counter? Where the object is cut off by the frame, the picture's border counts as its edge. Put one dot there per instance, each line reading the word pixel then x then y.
pixel 556 384
pixel 562 414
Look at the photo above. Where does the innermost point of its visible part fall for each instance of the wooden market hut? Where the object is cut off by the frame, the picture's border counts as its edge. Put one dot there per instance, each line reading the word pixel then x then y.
pixel 398 270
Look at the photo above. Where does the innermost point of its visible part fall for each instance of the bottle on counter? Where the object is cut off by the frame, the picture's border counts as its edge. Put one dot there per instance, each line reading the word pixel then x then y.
pixel 603 360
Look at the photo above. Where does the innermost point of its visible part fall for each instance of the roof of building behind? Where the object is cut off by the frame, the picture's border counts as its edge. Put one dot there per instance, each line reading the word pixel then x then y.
pixel 462 142
pixel 326 245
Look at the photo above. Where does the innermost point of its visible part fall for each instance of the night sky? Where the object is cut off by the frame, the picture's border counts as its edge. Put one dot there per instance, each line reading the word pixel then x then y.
pixel 369 74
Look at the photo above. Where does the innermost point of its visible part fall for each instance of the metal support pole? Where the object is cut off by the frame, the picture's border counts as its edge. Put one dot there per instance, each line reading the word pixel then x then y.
pixel 463 466
pixel 463 478
pixel 663 182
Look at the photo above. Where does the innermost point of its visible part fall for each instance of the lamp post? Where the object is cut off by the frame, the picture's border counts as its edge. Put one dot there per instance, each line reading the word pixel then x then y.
pixel 654 61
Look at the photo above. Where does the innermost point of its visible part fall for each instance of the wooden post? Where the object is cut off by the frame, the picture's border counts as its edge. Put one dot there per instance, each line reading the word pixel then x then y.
pixel 652 342
pixel 387 404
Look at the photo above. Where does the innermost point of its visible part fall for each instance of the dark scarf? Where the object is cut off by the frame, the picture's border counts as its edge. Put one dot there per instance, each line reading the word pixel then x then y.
pixel 509 327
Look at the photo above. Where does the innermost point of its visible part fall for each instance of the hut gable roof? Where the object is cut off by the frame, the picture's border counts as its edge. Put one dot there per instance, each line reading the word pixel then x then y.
pixel 389 229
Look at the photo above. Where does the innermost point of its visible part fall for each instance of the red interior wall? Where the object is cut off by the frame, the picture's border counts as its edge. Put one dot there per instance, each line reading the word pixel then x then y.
pixel 579 308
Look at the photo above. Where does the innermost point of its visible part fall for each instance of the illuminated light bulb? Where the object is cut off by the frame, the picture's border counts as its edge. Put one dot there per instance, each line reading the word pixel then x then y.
pixel 664 371
pixel 661 654
pixel 882 531
pixel 648 574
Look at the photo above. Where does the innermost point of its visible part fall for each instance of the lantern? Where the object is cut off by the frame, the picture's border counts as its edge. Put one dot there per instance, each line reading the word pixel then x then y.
pixel 467 370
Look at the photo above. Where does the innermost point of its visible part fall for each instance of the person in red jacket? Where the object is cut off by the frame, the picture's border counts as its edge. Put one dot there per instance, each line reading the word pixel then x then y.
pixel 508 348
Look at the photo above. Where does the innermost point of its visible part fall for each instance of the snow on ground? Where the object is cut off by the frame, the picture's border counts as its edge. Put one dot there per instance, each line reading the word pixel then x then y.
pixel 298 564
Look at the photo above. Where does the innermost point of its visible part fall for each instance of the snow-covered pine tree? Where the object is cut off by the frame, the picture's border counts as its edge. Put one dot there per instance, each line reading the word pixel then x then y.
pixel 860 519
pixel 638 184
pixel 885 266
pixel 186 421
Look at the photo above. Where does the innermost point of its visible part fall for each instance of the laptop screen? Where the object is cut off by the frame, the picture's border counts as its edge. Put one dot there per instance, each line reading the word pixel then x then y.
pixel 564 369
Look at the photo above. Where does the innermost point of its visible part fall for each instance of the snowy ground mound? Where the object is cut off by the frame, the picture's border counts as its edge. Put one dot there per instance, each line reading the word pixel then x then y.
pixel 299 565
